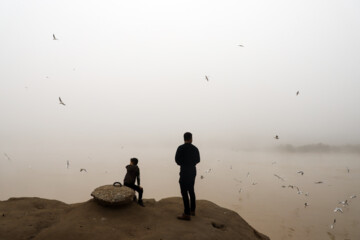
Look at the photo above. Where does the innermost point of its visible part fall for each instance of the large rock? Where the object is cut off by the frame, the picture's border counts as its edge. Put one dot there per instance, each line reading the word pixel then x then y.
pixel 113 195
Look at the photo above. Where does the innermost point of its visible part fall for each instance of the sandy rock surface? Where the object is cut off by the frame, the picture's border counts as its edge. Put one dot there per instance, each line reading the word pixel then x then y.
pixel 36 218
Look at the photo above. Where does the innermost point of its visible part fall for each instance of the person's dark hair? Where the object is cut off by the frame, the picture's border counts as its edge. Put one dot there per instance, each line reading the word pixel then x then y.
pixel 134 161
pixel 187 136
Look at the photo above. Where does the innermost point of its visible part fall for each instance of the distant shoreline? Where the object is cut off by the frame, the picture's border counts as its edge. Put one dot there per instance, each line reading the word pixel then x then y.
pixel 320 148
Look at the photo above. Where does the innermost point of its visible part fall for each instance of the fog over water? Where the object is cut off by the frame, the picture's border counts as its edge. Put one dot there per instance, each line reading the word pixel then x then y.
pixel 132 77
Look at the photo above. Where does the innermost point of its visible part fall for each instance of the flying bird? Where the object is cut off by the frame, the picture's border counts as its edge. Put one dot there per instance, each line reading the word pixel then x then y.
pixel 332 225
pixel 338 210
pixel 344 202
pixel 83 170
pixel 54 38
pixel 300 172
pixel 207 78
pixel 276 137
pixel 279 177
pixel 237 180
pixel 7 156
pixel 61 102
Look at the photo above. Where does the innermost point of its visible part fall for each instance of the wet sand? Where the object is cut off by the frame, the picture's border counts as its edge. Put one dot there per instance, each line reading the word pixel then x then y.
pixel 263 202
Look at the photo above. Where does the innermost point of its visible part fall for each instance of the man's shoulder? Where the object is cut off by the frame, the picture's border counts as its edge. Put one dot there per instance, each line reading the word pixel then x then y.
pixel 132 167
pixel 181 146
pixel 193 146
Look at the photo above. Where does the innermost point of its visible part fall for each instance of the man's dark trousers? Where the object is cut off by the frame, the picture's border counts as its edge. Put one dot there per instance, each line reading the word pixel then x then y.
pixel 187 183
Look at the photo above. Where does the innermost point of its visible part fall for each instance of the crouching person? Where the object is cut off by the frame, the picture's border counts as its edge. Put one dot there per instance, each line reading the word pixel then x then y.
pixel 132 174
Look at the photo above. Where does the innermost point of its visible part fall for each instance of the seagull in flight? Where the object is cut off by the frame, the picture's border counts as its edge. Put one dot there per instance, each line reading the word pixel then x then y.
pixel 207 78
pixel 54 38
pixel 332 225
pixel 300 172
pixel 61 102
pixel 338 210
pixel 83 170
pixel 7 156
pixel 276 137
pixel 237 180
pixel 279 177
pixel 344 202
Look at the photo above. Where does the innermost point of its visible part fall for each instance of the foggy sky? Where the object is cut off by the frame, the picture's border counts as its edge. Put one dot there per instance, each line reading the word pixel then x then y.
pixel 132 73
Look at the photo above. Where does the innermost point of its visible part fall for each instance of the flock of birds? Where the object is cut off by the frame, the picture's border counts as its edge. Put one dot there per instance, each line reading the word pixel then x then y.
pixel 344 203
pixel 300 172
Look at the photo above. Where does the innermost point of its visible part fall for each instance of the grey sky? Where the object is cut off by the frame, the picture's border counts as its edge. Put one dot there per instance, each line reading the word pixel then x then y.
pixel 133 72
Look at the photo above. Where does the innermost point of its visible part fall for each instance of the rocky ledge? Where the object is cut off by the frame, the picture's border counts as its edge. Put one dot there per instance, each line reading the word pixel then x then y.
pixel 36 218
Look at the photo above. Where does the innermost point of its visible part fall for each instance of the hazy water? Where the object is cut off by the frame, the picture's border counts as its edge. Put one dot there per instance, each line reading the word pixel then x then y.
pixel 263 202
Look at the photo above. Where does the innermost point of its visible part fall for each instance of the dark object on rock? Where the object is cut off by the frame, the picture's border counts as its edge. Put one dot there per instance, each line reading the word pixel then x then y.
pixel 218 226
pixel 113 195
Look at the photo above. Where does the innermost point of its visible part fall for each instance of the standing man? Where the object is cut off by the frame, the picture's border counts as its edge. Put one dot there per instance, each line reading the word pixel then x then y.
pixel 187 156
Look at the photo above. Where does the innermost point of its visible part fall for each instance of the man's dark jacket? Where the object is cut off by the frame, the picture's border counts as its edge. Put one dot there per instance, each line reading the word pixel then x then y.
pixel 187 156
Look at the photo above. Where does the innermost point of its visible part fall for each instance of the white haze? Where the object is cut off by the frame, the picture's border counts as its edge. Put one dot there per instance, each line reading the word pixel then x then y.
pixel 133 73
pixel 132 76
